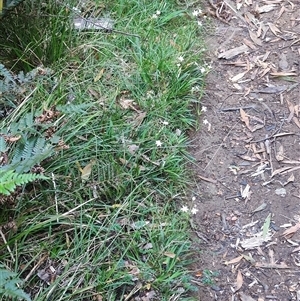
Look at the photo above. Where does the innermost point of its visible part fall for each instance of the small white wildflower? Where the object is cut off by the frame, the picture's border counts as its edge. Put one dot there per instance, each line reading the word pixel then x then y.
pixel 181 59
pixel 178 132
pixel 165 122
pixel 193 199
pixel 199 23
pixel 203 109
pixel 178 65
pixel 155 16
pixel 195 89
pixel 194 210
pixel 202 70
pixel 205 121
pixel 197 12
pixel 158 12
pixel 184 209
pixel 158 143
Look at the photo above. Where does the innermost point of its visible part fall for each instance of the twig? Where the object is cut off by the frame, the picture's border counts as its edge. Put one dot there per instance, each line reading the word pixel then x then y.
pixel 7 246
pixel 35 267
pixel 55 196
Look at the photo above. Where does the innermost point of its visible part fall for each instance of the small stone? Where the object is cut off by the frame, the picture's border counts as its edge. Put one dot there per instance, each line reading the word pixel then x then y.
pixel 281 192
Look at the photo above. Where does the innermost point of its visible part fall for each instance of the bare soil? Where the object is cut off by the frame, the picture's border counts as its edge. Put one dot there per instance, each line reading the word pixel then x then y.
pixel 248 155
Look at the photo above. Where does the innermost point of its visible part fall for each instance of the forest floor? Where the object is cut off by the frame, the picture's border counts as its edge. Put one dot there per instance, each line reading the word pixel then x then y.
pixel 248 154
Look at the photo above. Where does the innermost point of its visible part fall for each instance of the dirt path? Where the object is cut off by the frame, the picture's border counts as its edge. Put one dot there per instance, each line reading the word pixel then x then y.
pixel 248 155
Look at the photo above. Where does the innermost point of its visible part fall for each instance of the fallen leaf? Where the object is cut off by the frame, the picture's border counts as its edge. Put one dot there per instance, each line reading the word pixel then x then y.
pixel 280 153
pixel 297 122
pixel 266 226
pixel 99 75
pixel 234 260
pixel 245 297
pixel 245 119
pixel 255 241
pixel 274 29
pixel 238 77
pixel 126 103
pixel 290 179
pixel 266 8
pixel 245 192
pixel 229 54
pixel 266 265
pixel 283 73
pixel 239 281
pixel 259 208
pixel 170 254
pixel 254 38
pixel 291 231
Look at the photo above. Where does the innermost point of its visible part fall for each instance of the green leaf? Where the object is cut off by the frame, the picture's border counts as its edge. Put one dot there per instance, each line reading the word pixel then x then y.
pixel 266 226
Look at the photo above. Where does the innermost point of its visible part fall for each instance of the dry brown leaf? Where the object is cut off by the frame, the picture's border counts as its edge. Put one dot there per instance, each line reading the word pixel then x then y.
pixel 245 297
pixel 170 254
pixel 238 77
pixel 290 179
pixel 249 44
pixel 290 170
pixel 266 8
pixel 126 103
pixel 282 10
pixel 245 119
pixel 99 75
pixel 274 29
pixel 254 38
pixel 271 256
pixel 13 138
pixel 283 73
pixel 234 260
pixel 292 230
pixel 229 54
pixel 239 281
pixel 248 158
pixel 280 153
pixel 266 265
pixel 297 122
pixel 297 110
pixel 280 171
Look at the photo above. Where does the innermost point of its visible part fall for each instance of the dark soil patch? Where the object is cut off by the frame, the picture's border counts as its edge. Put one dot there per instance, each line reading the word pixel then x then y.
pixel 262 157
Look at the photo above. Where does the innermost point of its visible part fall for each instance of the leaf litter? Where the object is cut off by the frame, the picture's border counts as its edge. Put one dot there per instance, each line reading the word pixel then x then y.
pixel 258 125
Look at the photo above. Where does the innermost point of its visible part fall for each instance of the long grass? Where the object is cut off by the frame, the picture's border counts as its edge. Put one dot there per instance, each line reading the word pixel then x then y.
pixel 106 225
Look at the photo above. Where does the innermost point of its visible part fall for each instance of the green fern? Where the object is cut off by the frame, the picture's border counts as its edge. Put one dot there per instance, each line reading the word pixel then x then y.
pixel 9 286
pixel 9 180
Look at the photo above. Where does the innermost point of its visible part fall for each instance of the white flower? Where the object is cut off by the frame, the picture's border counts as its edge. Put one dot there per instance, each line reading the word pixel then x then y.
pixel 202 70
pixel 181 59
pixel 194 210
pixel 165 122
pixel 203 109
pixel 199 23
pixel 156 15
pixel 197 12
pixel 205 121
pixel 184 209
pixel 193 199
pixel 158 143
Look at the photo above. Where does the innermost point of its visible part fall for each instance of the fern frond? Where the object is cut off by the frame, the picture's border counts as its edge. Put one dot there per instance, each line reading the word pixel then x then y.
pixel 8 286
pixel 9 180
